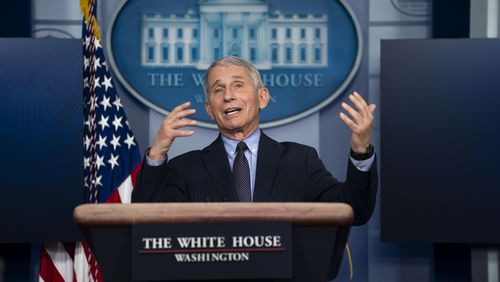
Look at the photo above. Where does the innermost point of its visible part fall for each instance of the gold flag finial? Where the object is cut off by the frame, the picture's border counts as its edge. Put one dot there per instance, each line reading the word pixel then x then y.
pixel 84 6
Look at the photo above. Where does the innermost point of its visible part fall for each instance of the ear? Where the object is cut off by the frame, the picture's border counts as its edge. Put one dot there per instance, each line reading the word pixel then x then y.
pixel 263 97
pixel 209 110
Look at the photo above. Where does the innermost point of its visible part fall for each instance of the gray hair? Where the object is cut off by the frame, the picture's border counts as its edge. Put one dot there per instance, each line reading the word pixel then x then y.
pixel 233 61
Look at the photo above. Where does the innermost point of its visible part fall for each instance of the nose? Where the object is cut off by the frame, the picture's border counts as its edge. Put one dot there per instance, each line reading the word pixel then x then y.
pixel 228 94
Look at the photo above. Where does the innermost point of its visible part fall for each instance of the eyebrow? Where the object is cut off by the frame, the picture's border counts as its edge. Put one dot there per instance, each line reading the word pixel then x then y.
pixel 218 81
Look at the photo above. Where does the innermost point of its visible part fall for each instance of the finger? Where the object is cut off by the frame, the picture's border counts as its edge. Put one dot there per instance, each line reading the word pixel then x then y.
pixel 174 122
pixel 174 113
pixel 180 107
pixel 182 114
pixel 183 133
pixel 351 124
pixel 360 98
pixel 181 123
pixel 372 108
pixel 352 112
pixel 359 104
pixel 369 108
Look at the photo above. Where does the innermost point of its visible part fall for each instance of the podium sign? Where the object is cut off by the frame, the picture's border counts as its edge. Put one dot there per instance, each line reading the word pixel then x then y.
pixel 217 241
pixel 230 250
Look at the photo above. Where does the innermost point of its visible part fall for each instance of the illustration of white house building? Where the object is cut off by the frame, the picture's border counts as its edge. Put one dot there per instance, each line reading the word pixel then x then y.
pixel 244 28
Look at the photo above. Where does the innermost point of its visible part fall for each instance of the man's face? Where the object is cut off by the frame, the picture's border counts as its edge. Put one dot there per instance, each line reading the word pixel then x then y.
pixel 233 102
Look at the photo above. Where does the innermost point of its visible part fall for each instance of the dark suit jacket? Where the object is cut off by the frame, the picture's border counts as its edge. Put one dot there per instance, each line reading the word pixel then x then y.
pixel 286 172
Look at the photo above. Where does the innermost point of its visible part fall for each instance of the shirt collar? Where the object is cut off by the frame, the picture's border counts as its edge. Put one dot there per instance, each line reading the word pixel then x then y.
pixel 252 142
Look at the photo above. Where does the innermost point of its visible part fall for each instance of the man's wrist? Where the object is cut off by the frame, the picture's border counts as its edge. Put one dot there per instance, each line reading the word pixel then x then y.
pixel 155 156
pixel 153 162
pixel 362 155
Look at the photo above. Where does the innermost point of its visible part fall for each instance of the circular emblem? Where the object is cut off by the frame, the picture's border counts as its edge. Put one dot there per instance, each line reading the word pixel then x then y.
pixel 306 51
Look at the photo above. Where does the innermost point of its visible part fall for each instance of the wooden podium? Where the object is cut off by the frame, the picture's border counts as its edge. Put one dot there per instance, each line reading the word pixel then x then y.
pixel 318 234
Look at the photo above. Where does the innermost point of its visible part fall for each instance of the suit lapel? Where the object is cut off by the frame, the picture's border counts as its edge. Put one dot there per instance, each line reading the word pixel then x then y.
pixel 217 164
pixel 267 164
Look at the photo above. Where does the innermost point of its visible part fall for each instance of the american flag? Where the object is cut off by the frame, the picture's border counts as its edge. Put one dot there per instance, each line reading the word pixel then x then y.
pixel 111 156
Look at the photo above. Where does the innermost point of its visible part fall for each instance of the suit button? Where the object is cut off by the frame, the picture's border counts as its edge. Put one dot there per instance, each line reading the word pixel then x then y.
pixel 208 200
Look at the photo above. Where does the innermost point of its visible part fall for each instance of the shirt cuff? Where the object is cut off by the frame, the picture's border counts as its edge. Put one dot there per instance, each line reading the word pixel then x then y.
pixel 364 165
pixel 152 162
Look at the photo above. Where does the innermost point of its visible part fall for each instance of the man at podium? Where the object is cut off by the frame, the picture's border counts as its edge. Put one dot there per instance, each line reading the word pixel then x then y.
pixel 243 163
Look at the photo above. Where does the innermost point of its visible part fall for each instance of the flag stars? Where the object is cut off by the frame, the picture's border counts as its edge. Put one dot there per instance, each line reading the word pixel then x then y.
pixel 87 142
pixel 115 142
pixel 91 122
pixel 103 122
pixel 113 161
pixel 129 141
pixel 97 44
pixel 97 63
pixel 96 101
pixel 118 103
pixel 86 63
pixel 97 83
pixel 93 105
pixel 102 142
pixel 87 123
pixel 117 122
pixel 99 162
pixel 86 83
pixel 105 101
pixel 106 130
pixel 87 42
pixel 86 162
pixel 92 102
pixel 107 83
pixel 97 181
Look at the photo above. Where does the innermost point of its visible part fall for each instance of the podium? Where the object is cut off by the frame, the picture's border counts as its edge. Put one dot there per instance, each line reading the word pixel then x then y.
pixel 302 242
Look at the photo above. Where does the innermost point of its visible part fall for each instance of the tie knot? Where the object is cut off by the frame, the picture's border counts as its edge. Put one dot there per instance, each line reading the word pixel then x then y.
pixel 242 146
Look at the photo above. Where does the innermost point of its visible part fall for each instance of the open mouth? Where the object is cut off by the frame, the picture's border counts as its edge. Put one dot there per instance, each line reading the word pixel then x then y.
pixel 232 111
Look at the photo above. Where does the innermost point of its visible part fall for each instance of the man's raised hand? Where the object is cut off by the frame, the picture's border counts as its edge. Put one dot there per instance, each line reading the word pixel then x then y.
pixel 360 121
pixel 170 129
